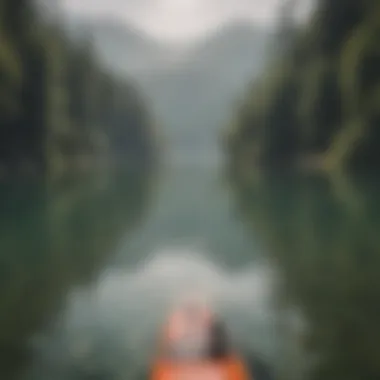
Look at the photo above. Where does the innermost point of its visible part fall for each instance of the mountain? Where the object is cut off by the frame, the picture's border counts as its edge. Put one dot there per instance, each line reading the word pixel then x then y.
pixel 196 96
pixel 193 88
pixel 125 49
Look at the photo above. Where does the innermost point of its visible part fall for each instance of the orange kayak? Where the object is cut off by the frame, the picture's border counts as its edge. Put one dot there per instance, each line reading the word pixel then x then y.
pixel 194 346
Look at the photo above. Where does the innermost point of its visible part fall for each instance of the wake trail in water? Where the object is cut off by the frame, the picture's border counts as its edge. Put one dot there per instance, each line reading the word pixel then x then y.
pixel 114 325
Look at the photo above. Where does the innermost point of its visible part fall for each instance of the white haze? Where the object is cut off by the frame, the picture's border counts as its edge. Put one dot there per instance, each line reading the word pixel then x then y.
pixel 183 20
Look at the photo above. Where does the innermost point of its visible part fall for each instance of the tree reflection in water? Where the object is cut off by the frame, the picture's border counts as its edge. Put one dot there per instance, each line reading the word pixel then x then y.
pixel 54 238
pixel 323 236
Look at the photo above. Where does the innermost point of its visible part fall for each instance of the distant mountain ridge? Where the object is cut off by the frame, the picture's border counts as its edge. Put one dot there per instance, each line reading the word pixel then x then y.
pixel 193 88
pixel 122 46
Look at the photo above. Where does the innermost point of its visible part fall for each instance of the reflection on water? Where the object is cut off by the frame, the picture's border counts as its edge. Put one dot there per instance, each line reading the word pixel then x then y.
pixel 291 263
pixel 110 331
pixel 53 238
pixel 324 238
pixel 188 242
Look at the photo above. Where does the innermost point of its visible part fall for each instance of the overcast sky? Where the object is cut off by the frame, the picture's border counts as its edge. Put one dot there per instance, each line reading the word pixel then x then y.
pixel 178 20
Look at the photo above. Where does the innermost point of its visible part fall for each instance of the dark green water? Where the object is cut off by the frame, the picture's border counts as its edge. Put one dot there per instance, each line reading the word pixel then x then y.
pixel 88 268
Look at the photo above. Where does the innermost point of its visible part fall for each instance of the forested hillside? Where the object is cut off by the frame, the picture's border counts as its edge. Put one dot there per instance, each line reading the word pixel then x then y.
pixel 318 103
pixel 59 108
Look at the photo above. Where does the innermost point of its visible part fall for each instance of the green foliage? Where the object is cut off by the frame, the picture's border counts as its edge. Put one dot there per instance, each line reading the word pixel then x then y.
pixel 58 106
pixel 320 99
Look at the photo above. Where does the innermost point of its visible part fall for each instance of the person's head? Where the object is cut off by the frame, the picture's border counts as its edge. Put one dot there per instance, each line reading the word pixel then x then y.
pixel 196 309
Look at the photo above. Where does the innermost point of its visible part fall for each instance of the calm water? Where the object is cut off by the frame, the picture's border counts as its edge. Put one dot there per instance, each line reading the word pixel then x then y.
pixel 89 267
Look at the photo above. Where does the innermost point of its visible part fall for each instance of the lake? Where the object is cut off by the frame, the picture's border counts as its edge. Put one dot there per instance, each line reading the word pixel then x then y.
pixel 89 266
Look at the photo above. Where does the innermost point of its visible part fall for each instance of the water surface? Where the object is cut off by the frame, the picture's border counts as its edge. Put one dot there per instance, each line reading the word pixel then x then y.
pixel 89 267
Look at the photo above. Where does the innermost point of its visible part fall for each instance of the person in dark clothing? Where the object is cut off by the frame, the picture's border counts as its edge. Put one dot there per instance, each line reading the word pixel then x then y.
pixel 219 344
